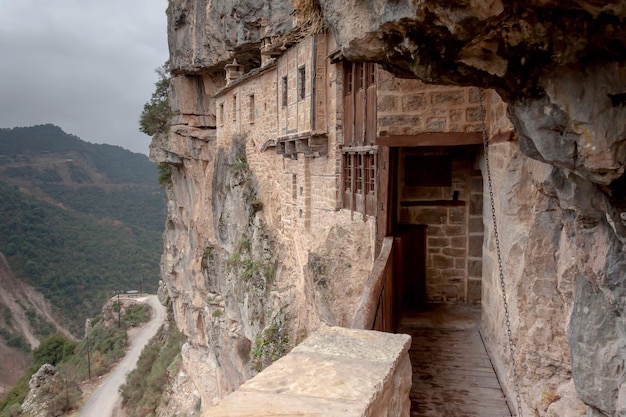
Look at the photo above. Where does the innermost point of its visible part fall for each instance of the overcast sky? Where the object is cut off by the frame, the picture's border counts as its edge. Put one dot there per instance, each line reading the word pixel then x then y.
pixel 84 65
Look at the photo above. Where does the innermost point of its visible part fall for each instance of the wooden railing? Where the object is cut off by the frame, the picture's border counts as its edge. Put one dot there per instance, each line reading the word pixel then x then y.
pixel 376 309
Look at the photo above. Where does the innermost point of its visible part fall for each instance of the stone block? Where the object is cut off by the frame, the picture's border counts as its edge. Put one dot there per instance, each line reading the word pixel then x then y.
pixel 442 262
pixel 438 242
pixel 454 275
pixel 458 242
pixel 457 215
pixel 476 204
pixel 399 121
pixel 459 263
pixel 454 252
pixel 477 184
pixel 428 215
pixel 455 230
pixel 476 225
pixel 475 268
pixel 436 124
pixel 474 289
pixel 475 246
pixel 435 230
pixel 456 115
pixel 387 104
pixel 473 114
pixel 414 102
pixel 453 97
pixel 474 94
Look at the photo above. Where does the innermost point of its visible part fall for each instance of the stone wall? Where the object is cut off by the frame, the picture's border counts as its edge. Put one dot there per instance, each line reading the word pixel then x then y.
pixel 335 372
pixel 410 107
pixel 453 216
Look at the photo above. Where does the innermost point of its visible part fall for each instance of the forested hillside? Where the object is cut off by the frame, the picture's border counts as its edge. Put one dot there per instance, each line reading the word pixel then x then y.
pixel 78 221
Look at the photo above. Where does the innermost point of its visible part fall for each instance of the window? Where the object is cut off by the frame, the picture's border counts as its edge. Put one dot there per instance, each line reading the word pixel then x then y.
pixel 359 104
pixel 360 70
pixel 234 106
pixel 347 172
pixel 294 186
pixel 349 75
pixel 301 83
pixel 284 91
pixel 359 179
pixel 358 173
pixel 221 115
pixel 370 173
pixel 251 105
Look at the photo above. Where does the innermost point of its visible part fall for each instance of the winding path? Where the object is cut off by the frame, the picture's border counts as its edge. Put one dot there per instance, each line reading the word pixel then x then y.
pixel 102 402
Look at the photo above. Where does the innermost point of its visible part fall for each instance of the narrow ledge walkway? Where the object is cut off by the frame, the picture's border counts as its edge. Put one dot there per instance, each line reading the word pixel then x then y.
pixel 452 373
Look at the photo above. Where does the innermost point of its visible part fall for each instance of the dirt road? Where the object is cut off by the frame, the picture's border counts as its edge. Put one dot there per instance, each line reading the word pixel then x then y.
pixel 102 401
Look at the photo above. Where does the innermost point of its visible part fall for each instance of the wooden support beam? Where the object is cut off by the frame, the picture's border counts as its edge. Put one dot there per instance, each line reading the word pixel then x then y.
pixel 442 139
pixel 431 139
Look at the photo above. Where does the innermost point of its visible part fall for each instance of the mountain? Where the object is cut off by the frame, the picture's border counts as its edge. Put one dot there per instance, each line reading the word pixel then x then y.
pixel 25 319
pixel 78 221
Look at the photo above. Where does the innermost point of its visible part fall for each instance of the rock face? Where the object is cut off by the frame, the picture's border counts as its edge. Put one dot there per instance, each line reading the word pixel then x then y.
pixel 560 199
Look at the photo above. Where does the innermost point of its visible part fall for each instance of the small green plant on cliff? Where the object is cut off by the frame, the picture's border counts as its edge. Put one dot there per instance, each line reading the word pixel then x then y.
pixel 156 114
pixel 240 164
pixel 207 256
pixel 270 344
pixel 165 174
pixel 234 259
pixel 250 267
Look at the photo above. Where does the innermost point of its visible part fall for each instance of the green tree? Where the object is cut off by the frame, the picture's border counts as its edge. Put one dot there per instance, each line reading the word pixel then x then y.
pixel 53 350
pixel 156 113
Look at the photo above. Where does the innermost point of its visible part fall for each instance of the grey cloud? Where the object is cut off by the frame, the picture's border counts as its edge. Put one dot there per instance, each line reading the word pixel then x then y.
pixel 84 65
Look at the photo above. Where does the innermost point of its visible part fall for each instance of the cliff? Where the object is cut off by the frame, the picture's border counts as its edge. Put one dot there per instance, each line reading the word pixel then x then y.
pixel 248 274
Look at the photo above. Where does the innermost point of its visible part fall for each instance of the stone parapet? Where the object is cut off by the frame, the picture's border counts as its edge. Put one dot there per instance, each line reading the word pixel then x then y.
pixel 335 372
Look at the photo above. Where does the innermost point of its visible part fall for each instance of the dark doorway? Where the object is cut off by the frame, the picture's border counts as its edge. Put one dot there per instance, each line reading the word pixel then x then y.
pixel 411 241
pixel 435 213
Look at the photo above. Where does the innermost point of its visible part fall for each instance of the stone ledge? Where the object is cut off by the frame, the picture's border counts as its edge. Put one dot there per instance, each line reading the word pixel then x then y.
pixel 335 372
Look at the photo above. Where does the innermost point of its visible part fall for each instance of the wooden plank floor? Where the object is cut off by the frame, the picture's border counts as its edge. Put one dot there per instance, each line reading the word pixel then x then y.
pixel 452 374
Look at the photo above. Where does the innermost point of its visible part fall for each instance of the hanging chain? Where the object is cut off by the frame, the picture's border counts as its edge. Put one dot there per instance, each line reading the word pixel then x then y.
pixel 507 316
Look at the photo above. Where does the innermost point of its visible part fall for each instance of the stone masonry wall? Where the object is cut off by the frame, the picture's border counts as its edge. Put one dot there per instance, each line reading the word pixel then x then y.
pixel 454 239
pixel 409 107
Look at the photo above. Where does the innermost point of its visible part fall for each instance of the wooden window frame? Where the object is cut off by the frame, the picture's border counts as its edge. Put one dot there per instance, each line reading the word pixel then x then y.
pixel 285 85
pixel 301 83
pixel 251 104
pixel 359 179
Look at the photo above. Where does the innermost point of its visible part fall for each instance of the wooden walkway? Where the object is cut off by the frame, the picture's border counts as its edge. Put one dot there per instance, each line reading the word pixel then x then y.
pixel 452 374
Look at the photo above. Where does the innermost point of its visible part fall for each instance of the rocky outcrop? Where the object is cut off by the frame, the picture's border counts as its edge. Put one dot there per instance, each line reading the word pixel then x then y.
pixel 49 394
pixel 205 35
pixel 238 280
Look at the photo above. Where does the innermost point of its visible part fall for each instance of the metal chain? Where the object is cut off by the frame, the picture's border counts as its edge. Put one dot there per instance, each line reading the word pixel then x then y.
pixel 507 316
